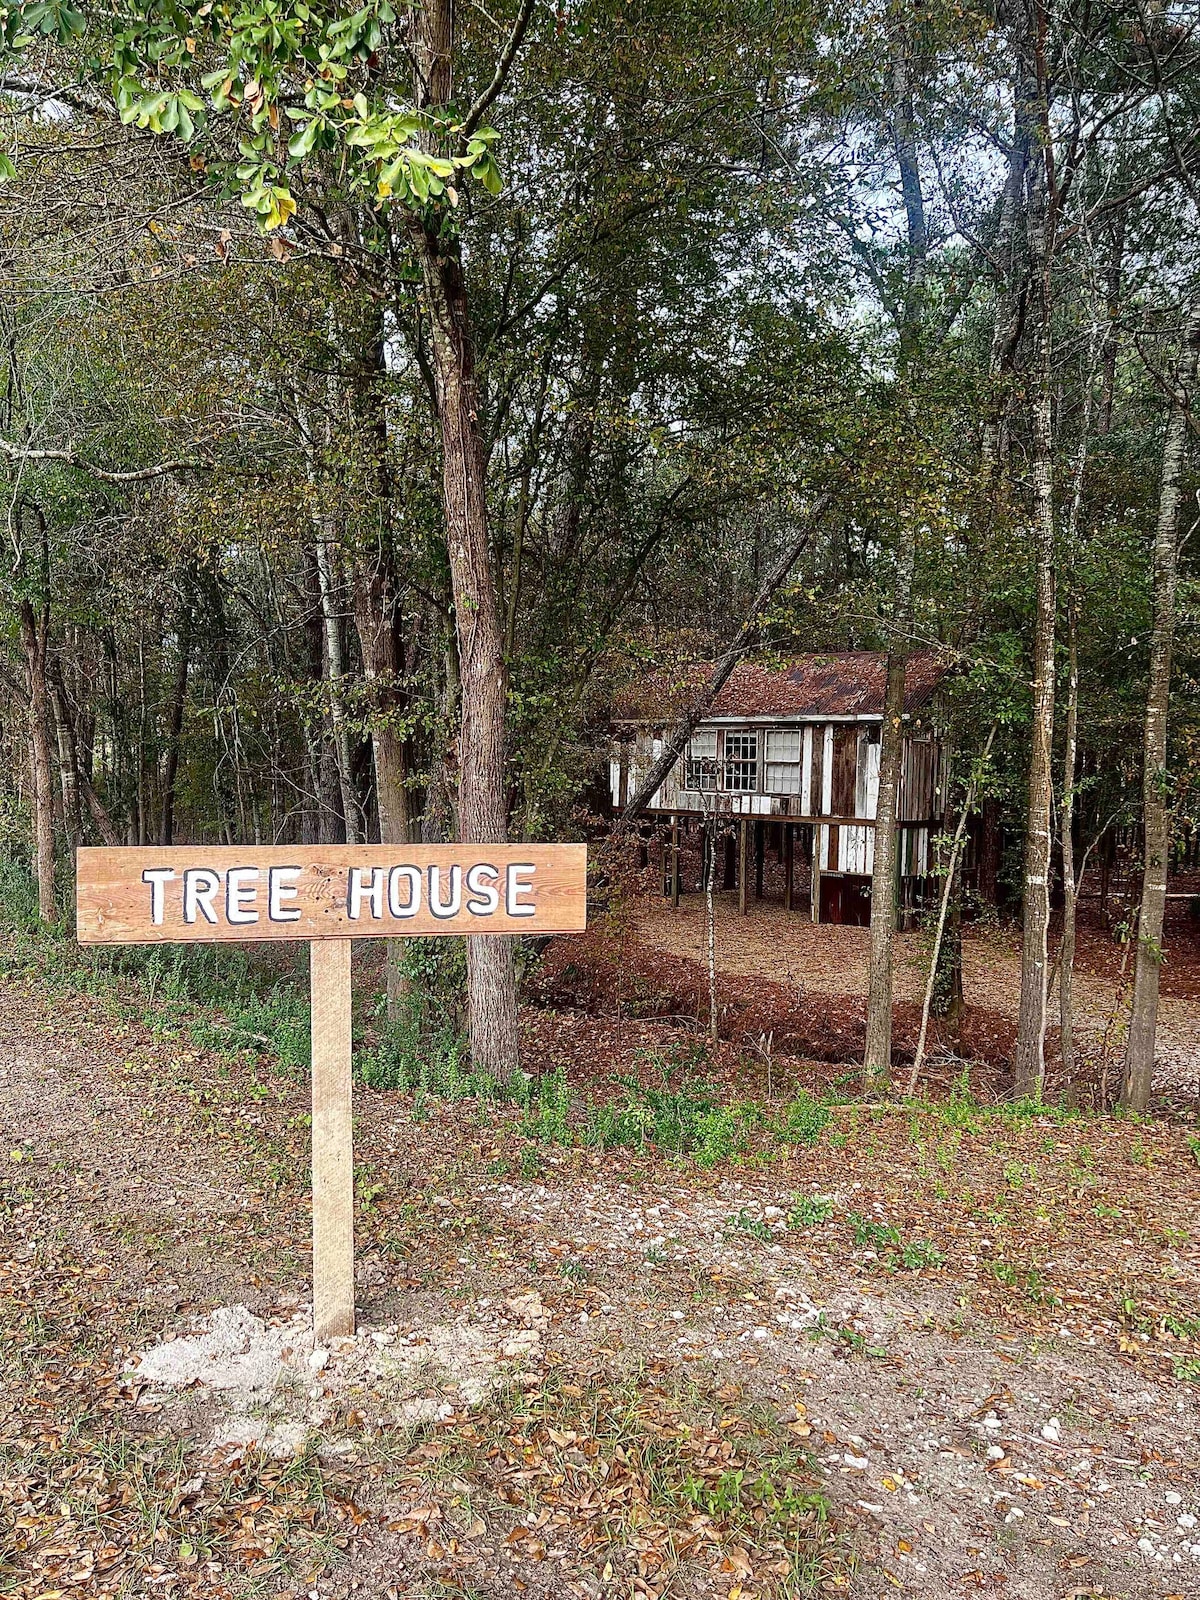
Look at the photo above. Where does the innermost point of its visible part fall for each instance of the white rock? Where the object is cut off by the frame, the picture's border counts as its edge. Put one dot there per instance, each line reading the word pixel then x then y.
pixel 319 1360
pixel 1173 1497
pixel 234 1350
pixel 995 1452
pixel 1052 1430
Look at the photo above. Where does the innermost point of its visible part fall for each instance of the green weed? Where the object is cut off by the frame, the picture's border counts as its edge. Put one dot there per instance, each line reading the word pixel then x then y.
pixel 919 1254
pixel 810 1211
pixel 755 1226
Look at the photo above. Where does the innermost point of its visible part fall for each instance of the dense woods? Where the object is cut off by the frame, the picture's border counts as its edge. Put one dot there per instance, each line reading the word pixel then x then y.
pixel 758 440
pixel 384 389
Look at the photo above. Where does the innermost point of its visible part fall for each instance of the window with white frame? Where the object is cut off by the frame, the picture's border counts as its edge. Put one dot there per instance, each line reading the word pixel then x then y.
pixel 701 766
pixel 741 762
pixel 784 748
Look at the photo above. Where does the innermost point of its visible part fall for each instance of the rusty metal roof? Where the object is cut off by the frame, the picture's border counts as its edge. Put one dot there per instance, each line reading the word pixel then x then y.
pixel 838 683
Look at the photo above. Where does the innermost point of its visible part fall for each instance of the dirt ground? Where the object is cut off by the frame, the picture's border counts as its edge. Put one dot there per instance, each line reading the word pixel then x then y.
pixel 786 947
pixel 960 1349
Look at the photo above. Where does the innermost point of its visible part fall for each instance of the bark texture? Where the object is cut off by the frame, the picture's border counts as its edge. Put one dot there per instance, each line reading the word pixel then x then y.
pixel 35 629
pixel 482 812
pixel 877 1059
pixel 1029 1062
pixel 1156 810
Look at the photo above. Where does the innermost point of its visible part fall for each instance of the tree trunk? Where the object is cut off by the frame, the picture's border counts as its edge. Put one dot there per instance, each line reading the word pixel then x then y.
pixel 35 630
pixel 1066 956
pixel 877 1059
pixel 383 667
pixel 68 761
pixel 175 712
pixel 1029 1065
pixel 1008 323
pixel 335 666
pixel 491 976
pixel 1156 810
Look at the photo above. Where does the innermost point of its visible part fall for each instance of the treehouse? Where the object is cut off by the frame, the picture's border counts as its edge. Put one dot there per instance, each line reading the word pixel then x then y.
pixel 788 755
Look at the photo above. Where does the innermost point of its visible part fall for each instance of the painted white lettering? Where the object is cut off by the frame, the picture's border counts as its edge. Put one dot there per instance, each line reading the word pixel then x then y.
pixel 411 876
pixel 364 882
pixel 485 897
pixel 156 877
pixel 281 886
pixel 445 908
pixel 200 885
pixel 518 881
pixel 241 895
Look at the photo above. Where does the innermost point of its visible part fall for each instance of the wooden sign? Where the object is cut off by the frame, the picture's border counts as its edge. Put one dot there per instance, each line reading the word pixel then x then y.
pixel 136 896
pixel 329 895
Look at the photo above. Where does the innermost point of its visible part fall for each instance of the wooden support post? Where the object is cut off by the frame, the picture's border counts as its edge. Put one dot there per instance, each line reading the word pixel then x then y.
pixel 815 875
pixel 760 853
pixel 674 859
pixel 743 864
pixel 788 865
pixel 332 1149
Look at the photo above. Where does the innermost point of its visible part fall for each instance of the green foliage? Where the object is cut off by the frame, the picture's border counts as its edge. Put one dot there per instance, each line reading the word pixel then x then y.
pixel 18 895
pixel 684 1121
pixel 810 1211
pixel 869 1232
pixel 746 1222
pixel 334 76
pixel 917 1255
pixel 805 1120
pixel 549 1103
pixel 276 1024
pixel 737 1493
pixel 424 1046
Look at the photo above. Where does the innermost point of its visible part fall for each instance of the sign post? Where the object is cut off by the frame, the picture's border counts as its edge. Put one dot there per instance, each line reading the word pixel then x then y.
pixel 328 895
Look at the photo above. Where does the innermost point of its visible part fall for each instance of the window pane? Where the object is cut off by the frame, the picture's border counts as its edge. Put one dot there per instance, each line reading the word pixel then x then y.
pixel 704 743
pixel 741 762
pixel 783 777
pixel 783 744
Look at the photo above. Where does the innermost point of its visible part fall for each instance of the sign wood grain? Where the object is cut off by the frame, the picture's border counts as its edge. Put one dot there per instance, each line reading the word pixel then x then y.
pixel 202 893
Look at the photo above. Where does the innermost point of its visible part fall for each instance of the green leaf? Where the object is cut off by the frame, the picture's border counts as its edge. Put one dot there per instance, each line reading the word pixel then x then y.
pixel 488 174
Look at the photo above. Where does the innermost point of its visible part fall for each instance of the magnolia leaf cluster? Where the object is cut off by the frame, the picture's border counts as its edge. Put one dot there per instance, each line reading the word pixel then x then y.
pixel 299 85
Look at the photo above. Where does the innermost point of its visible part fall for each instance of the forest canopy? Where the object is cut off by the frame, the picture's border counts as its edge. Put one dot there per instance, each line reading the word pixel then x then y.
pixel 384 388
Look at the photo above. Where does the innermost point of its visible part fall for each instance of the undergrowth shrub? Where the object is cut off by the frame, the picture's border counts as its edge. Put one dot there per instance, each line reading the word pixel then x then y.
pixel 805 1119
pixel 423 1044
pixel 810 1211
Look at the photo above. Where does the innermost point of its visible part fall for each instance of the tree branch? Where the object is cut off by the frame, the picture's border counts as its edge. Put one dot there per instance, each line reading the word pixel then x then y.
pixel 72 458
pixel 746 636
pixel 477 112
